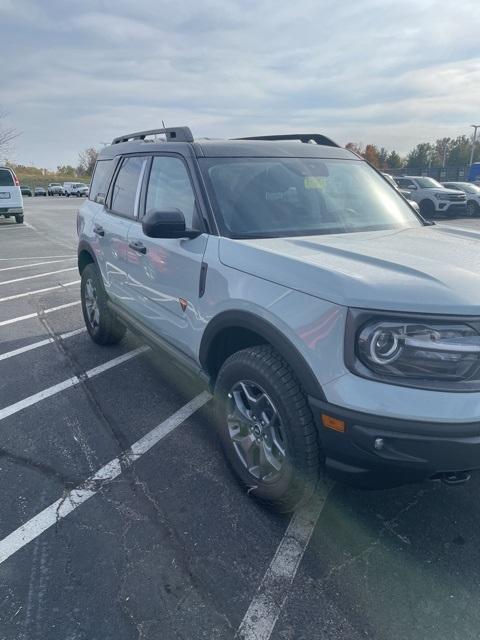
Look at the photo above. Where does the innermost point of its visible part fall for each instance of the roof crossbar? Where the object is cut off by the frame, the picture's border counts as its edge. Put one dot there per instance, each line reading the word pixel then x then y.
pixel 302 137
pixel 173 134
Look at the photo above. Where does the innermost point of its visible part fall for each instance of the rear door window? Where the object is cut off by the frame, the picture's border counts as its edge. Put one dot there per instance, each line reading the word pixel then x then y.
pixel 6 178
pixel 126 190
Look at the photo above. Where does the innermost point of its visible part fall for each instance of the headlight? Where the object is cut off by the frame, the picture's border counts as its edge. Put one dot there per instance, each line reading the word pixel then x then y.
pixel 442 196
pixel 419 351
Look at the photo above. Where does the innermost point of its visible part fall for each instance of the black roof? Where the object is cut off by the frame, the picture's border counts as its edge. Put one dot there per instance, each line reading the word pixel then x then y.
pixel 268 147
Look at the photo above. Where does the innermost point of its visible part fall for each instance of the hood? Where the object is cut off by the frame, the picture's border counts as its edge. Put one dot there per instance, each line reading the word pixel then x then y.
pixel 431 269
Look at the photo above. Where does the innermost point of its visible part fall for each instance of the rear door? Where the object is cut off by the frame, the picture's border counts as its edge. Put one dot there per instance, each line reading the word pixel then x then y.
pixel 164 273
pixel 113 221
pixel 10 193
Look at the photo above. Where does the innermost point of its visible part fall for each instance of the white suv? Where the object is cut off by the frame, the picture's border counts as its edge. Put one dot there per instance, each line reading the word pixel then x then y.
pixel 334 326
pixel 75 189
pixel 11 200
pixel 432 198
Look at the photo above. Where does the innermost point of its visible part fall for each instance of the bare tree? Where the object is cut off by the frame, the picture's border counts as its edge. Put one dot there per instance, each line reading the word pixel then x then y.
pixel 6 134
pixel 87 160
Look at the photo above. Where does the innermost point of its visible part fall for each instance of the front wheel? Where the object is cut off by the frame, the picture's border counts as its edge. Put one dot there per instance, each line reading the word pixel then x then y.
pixel 266 428
pixel 427 208
pixel 19 219
pixel 102 325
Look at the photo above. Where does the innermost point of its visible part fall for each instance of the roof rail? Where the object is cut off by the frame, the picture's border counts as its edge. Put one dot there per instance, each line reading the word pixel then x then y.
pixel 302 137
pixel 173 134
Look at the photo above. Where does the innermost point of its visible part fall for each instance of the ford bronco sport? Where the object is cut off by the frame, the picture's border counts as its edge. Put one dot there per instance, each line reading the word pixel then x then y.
pixel 336 328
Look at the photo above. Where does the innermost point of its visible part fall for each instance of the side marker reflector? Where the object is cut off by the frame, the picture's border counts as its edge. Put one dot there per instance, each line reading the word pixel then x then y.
pixel 333 423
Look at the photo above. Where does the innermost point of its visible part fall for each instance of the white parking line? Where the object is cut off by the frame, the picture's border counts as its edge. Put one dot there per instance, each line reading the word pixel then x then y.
pixel 40 343
pixel 70 255
pixel 32 264
pixel 262 614
pixel 65 505
pixel 32 293
pixel 70 382
pixel 37 314
pixel 38 275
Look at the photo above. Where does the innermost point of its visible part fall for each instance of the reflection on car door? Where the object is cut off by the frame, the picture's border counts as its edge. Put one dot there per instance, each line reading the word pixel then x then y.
pixel 164 279
pixel 113 222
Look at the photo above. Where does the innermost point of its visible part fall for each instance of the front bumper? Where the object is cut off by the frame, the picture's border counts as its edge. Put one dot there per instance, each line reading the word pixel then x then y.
pixel 452 208
pixel 11 210
pixel 410 451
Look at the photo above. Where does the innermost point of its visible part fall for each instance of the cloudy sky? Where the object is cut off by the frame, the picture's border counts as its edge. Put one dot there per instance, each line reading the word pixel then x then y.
pixel 76 74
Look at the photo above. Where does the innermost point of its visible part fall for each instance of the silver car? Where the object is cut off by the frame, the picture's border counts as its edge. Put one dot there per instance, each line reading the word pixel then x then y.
pixel 336 328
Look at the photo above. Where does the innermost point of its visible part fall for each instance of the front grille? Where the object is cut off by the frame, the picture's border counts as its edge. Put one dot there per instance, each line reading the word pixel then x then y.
pixel 460 197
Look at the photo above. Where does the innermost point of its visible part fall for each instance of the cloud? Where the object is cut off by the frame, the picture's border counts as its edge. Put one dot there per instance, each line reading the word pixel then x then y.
pixel 378 70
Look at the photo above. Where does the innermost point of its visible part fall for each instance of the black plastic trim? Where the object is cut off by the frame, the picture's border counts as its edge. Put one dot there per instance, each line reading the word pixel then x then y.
pixel 247 320
pixel 203 279
pixel 186 363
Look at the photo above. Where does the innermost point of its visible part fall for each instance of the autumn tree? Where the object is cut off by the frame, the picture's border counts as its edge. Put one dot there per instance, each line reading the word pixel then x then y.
pixel 371 155
pixel 356 147
pixel 66 170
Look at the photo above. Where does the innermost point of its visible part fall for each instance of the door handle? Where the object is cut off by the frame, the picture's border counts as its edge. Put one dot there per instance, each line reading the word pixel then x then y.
pixel 139 247
pixel 99 230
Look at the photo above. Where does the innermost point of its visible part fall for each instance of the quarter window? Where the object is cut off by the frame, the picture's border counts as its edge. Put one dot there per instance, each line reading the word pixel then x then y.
pixel 169 188
pixel 127 186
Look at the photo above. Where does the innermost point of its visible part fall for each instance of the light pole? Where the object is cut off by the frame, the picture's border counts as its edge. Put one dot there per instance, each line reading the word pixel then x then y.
pixel 475 127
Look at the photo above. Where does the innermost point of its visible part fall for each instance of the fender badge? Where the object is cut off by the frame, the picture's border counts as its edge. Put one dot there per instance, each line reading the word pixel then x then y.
pixel 183 303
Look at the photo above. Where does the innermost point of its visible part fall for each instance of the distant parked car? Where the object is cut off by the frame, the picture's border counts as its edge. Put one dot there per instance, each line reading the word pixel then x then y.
pixel 26 191
pixel 406 194
pixel 75 189
pixel 55 189
pixel 11 200
pixel 472 192
pixel 432 197
pixel 40 191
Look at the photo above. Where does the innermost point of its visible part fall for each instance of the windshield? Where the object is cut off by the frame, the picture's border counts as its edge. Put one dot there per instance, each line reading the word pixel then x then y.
pixel 469 188
pixel 281 197
pixel 428 183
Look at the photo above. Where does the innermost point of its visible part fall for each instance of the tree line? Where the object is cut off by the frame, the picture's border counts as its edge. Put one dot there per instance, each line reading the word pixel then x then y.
pixel 443 152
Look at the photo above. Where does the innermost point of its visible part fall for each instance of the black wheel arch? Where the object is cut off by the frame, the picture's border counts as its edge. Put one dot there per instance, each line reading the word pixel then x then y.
pixel 86 255
pixel 252 329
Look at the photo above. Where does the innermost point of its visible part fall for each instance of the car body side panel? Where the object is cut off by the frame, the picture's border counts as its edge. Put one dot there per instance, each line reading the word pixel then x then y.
pixel 314 327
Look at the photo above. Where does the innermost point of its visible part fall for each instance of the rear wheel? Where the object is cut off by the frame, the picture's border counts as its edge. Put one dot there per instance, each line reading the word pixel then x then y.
pixel 102 325
pixel 266 428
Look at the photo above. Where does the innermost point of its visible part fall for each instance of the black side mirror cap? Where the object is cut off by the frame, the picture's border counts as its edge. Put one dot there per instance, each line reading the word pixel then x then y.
pixel 167 224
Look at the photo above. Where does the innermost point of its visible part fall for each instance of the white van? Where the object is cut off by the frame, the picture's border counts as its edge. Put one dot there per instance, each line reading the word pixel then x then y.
pixel 11 200
pixel 75 189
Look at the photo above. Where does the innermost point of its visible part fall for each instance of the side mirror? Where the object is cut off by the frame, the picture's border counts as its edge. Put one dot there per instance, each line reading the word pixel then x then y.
pixel 167 224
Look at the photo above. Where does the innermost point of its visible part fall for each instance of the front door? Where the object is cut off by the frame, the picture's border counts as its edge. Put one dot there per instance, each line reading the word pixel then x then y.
pixel 164 274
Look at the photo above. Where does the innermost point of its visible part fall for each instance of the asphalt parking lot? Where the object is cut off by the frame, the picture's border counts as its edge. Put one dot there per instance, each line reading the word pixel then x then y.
pixel 120 520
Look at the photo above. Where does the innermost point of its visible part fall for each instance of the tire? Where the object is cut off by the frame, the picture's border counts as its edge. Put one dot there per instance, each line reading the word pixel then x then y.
pixel 427 208
pixel 285 422
pixel 473 209
pixel 103 327
pixel 19 219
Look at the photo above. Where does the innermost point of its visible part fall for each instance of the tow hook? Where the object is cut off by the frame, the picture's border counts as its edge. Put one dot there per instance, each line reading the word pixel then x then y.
pixel 456 477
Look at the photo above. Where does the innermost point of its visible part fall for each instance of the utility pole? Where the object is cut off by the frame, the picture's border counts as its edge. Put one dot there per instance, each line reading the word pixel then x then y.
pixel 475 127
